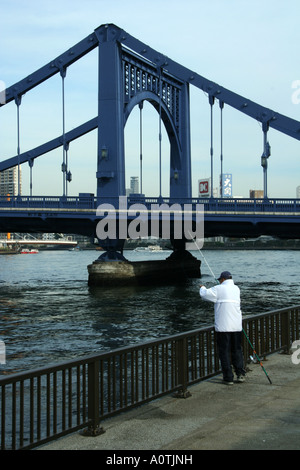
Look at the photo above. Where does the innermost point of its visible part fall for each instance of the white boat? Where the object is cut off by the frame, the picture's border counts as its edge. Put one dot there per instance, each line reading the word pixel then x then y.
pixel 26 251
pixel 148 248
pixel 154 248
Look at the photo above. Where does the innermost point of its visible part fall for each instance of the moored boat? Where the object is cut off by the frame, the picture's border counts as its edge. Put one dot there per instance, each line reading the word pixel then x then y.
pixel 9 251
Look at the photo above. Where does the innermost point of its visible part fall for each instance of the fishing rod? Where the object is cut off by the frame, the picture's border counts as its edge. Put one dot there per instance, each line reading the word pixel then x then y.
pixel 212 273
pixel 260 363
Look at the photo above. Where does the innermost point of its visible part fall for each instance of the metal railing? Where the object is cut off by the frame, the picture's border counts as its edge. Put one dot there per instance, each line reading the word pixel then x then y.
pixel 210 205
pixel 43 404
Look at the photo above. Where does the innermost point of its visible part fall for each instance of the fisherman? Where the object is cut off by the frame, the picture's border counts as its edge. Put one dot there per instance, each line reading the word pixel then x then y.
pixel 228 325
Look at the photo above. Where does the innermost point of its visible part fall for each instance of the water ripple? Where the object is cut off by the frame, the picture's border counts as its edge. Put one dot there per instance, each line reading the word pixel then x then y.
pixel 49 314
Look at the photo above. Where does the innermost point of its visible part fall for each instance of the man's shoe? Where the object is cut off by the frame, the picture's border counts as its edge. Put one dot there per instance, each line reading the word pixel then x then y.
pixel 241 378
pixel 227 382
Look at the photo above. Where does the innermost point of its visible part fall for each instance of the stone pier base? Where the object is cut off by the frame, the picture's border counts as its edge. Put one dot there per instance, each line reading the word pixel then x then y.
pixel 178 266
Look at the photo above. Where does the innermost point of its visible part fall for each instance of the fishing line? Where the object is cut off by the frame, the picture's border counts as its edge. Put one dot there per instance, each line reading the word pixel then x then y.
pixel 260 363
pixel 195 241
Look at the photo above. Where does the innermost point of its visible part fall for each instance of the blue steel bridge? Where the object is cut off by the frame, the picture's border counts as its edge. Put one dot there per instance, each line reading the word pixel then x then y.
pixel 222 216
pixel 130 73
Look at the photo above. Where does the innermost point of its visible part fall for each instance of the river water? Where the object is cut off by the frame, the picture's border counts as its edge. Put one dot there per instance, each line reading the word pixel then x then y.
pixel 48 314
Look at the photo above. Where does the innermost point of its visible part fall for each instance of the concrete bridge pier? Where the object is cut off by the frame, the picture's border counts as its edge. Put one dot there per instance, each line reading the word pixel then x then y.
pixel 113 250
pixel 113 269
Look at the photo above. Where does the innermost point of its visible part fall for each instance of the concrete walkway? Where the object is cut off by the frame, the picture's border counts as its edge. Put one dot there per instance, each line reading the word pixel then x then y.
pixel 250 416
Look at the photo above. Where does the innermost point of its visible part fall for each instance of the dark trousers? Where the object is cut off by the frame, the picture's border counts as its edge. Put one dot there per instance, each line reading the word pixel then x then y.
pixel 230 353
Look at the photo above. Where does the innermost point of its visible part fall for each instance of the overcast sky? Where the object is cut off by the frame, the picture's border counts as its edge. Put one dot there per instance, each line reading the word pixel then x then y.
pixel 249 47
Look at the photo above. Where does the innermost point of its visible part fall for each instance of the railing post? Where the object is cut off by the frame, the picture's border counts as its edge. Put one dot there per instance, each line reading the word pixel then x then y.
pixel 93 428
pixel 285 331
pixel 182 369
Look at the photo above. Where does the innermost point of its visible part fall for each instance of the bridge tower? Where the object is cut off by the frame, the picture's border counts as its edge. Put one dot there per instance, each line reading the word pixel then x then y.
pixel 126 80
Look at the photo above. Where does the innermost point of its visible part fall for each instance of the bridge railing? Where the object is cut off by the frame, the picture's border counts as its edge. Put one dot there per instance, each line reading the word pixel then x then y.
pixel 48 202
pixel 210 205
pixel 43 404
pixel 251 205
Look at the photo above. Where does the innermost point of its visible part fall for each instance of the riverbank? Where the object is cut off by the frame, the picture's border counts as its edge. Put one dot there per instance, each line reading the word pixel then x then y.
pixel 253 415
pixel 261 243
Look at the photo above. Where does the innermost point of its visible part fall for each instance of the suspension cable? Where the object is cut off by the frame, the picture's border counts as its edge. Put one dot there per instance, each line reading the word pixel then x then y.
pixel 141 146
pixel 30 163
pixel 18 99
pixel 221 104
pixel 64 164
pixel 160 135
pixel 211 102
pixel 265 156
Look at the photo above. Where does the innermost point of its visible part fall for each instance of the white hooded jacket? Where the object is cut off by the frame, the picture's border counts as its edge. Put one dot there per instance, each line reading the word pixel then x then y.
pixel 226 299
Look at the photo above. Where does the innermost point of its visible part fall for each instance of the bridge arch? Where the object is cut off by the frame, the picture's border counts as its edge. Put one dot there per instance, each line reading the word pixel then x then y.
pixel 162 110
pixel 125 80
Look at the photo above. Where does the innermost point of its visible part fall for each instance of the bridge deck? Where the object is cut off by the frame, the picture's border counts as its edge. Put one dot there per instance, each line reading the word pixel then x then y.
pixel 234 217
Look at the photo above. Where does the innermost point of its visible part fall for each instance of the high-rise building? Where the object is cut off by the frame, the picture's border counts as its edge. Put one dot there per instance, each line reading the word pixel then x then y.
pixel 134 184
pixel 9 182
pixel 298 192
pixel 256 194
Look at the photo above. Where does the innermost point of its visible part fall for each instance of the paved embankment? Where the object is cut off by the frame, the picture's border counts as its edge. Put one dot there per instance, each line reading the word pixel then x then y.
pixel 251 415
